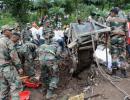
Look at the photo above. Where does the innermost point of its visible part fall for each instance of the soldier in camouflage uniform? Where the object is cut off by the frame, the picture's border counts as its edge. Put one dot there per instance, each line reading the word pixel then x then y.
pixel 26 34
pixel 27 54
pixel 48 56
pixel 10 83
pixel 118 44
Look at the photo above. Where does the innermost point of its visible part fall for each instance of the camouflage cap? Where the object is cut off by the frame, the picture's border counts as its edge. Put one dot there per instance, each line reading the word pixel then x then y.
pixel 6 27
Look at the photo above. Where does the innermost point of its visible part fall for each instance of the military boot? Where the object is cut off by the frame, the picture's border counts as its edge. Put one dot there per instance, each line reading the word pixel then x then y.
pixel 124 73
pixel 115 74
pixel 114 71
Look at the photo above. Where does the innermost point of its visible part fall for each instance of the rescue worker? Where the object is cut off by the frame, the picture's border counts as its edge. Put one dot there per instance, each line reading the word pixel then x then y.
pixel 48 57
pixel 35 35
pixel 121 13
pixel 117 41
pixel 10 83
pixel 27 54
pixel 26 34
pixel 17 28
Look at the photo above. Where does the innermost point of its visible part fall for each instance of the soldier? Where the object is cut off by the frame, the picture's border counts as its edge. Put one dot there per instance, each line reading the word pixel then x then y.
pixel 48 57
pixel 121 13
pixel 10 84
pixel 17 27
pixel 27 54
pixel 118 46
pixel 26 33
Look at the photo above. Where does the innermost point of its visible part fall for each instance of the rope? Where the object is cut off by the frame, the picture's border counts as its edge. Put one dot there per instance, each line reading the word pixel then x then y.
pixel 103 73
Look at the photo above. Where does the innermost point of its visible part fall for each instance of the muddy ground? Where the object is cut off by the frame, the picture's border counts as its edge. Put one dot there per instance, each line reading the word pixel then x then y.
pixel 97 86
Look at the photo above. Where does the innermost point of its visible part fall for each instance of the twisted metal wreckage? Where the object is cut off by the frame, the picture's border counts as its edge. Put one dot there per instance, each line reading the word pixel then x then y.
pixel 81 38
pixel 82 43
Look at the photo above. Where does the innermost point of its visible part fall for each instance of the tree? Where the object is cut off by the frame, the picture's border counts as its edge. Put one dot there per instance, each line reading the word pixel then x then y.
pixel 19 9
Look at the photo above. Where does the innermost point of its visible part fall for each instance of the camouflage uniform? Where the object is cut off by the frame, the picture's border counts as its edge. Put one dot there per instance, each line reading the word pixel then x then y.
pixel 27 54
pixel 26 35
pixel 118 49
pixel 10 84
pixel 48 56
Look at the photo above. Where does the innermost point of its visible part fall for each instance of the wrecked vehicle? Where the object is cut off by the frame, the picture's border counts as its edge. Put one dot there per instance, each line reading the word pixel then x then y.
pixel 82 39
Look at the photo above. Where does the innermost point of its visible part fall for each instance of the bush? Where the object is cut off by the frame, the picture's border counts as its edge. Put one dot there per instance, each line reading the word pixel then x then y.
pixel 6 18
pixel 84 11
pixel 33 17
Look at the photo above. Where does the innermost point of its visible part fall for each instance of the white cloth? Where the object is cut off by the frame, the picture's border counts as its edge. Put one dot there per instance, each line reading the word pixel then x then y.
pixel 40 32
pixel 58 34
pixel 100 53
pixel 34 32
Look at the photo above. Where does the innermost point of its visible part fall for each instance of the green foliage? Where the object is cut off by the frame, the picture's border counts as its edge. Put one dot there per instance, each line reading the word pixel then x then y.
pixel 84 10
pixel 19 9
pixel 6 18
pixel 75 8
pixel 56 10
pixel 33 17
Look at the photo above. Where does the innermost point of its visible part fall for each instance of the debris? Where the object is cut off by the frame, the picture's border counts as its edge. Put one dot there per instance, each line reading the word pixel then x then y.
pixel 64 97
pixel 86 89
pixel 77 97
pixel 92 96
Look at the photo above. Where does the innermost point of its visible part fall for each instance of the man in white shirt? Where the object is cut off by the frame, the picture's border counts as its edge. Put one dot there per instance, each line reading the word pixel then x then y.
pixel 34 30
pixel 35 35
pixel 59 37
pixel 40 33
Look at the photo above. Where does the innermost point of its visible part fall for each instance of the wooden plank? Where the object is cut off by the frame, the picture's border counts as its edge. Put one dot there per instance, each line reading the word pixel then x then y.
pixel 85 47
pixel 100 24
pixel 96 31
pixel 86 42
pixel 72 44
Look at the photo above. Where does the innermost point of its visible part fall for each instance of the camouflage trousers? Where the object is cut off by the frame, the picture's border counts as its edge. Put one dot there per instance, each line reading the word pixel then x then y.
pixel 118 52
pixel 29 68
pixel 10 83
pixel 50 74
